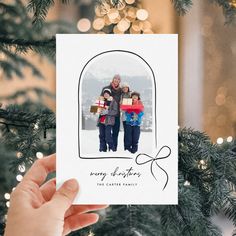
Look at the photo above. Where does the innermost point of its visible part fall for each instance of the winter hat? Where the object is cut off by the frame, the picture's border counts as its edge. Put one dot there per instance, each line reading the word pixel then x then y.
pixel 135 93
pixel 125 85
pixel 107 90
pixel 116 77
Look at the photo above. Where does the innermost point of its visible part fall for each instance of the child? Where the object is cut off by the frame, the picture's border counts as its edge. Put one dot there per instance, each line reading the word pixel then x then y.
pixel 126 93
pixel 106 120
pixel 133 122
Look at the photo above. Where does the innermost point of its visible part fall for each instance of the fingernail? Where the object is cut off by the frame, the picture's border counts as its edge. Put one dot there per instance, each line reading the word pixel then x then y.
pixel 71 184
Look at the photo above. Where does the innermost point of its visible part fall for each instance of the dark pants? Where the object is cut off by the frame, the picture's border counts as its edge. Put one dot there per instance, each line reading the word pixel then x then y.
pixel 115 132
pixel 125 135
pixel 132 138
pixel 105 137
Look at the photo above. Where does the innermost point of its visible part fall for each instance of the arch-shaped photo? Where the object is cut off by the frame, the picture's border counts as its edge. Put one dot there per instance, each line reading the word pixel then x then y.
pixel 116 106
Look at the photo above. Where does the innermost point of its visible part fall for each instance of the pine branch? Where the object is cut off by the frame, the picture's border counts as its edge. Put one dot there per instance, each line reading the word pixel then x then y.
pixel 28 43
pixel 5 8
pixel 40 10
pixel 15 61
pixel 43 47
pixel 229 10
pixel 182 6
pixel 24 93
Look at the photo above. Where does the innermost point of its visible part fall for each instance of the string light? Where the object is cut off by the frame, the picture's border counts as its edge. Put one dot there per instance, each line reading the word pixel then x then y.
pixel 129 1
pixel 84 25
pixel 233 3
pixel 8 204
pixel 229 139
pixel 202 162
pixel 7 196
pixel 36 126
pixel 123 25
pixel 142 14
pixel 123 16
pixel 220 140
pixel 39 155
pixel 19 178
pixel 19 154
pixel 98 23
pixel 187 183
pixel 21 168
pixel 91 233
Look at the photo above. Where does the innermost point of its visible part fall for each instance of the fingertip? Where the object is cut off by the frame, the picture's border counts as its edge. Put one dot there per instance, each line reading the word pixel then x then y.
pixel 71 185
pixel 94 217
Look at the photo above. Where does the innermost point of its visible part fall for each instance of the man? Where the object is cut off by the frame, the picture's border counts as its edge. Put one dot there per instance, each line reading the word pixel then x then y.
pixel 116 91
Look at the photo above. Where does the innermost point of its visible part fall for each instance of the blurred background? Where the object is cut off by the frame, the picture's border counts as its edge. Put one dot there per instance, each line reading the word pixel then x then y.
pixel 207 55
pixel 207 59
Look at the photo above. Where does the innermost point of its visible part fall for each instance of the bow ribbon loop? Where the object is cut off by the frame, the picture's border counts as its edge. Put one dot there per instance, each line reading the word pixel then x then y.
pixel 154 160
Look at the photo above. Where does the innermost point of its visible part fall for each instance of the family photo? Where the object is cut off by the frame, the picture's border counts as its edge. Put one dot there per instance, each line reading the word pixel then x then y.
pixel 116 106
pixel 119 103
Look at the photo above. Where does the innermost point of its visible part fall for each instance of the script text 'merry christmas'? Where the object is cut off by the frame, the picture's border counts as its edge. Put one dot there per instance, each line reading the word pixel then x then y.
pixel 116 173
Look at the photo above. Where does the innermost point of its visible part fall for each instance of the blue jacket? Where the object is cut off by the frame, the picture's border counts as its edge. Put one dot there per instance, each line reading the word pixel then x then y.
pixel 133 118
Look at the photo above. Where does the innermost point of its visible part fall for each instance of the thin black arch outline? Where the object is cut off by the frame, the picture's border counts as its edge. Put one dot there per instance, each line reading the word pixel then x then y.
pixel 155 103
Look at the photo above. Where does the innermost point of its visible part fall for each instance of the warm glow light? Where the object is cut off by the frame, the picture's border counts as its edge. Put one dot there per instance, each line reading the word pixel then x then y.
pixel 202 162
pixel 7 196
pixel 19 154
pixel 186 183
pixel 142 14
pixel 19 177
pixel 21 168
pixel 229 139
pixel 84 25
pixel 113 14
pixel 98 23
pixel 130 1
pixel 123 25
pixel 220 140
pixel 36 126
pixel 39 155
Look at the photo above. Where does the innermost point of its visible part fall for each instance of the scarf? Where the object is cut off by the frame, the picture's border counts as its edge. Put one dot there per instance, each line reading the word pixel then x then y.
pixel 115 87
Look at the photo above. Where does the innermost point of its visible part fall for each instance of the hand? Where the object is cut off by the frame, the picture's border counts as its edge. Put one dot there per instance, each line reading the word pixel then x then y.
pixel 37 209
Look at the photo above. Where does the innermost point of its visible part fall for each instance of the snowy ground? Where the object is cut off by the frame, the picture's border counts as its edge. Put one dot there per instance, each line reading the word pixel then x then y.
pixel 89 144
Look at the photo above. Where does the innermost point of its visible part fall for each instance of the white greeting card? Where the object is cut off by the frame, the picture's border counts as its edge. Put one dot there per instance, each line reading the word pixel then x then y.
pixel 117 113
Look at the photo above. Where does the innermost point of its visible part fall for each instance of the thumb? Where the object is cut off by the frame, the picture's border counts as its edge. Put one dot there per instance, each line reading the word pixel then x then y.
pixel 64 196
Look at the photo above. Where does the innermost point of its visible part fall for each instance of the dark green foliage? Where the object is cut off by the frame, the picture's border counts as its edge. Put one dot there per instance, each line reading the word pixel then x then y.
pixel 40 93
pixel 25 129
pixel 19 35
pixel 40 9
pixel 182 6
pixel 212 188
pixel 209 168
pixel 229 11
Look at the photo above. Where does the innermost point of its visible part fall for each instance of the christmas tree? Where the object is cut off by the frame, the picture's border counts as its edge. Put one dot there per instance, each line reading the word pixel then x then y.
pixel 207 176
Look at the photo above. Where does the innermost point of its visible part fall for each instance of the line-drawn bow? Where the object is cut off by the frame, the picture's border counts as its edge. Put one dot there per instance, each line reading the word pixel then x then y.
pixel 153 160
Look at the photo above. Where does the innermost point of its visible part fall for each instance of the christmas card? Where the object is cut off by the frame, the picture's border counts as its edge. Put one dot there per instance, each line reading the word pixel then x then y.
pixel 117 117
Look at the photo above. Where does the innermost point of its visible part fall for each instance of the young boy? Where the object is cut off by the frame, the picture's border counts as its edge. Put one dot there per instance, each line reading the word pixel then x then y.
pixel 126 93
pixel 133 122
pixel 106 120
